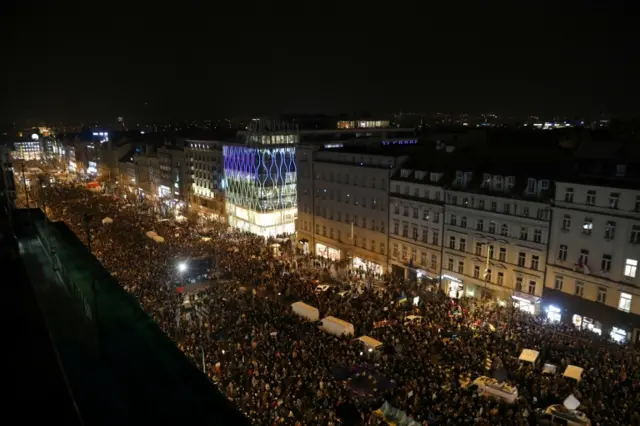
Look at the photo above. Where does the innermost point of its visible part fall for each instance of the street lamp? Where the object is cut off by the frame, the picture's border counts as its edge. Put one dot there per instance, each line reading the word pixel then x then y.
pixel 182 266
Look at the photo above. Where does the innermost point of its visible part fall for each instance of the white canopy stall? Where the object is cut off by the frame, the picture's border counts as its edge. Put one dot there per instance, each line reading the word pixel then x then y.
pixel 370 342
pixel 529 355
pixel 107 221
pixel 573 372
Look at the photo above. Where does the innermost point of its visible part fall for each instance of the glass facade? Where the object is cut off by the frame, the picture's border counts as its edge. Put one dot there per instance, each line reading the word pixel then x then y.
pixel 260 184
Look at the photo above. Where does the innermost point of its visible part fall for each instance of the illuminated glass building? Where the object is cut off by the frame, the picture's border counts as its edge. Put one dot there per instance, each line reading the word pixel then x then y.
pixel 260 179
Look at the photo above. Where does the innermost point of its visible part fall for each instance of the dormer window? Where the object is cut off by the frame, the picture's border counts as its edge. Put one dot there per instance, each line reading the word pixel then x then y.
pixel 621 170
pixel 510 182
pixel 498 183
pixel 405 173
pixel 544 185
pixel 467 178
pixel 458 180
pixel 531 186
pixel 486 180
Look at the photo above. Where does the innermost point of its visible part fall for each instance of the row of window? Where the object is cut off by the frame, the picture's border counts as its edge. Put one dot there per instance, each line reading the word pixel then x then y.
pixel 590 199
pixel 492 228
pixel 355 220
pixel 422 260
pixel 415 213
pixel 630 265
pixel 488 276
pixel 609 229
pixel 534 261
pixel 424 235
pixel 509 208
pixel 624 302
pixel 357 241
pixel 350 179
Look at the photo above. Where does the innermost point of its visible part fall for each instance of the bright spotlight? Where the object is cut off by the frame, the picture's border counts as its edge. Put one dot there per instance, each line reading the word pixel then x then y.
pixel 182 266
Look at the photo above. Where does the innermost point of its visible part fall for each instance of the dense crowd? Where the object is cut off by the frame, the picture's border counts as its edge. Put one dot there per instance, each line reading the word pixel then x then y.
pixel 280 369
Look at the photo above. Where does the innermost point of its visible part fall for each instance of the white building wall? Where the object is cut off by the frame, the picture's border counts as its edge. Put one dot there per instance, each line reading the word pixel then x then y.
pixel 512 232
pixel 415 226
pixel 340 194
pixel 588 220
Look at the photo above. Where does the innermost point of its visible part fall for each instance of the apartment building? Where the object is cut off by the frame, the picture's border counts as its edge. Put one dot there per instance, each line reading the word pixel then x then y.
pixel 343 201
pixel 593 279
pixel 416 206
pixel 496 230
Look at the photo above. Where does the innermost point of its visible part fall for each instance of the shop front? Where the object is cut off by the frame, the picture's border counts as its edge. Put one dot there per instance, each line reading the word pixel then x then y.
pixel 452 286
pixel 608 322
pixel 327 252
pixel 304 246
pixel 367 267
pixel 526 302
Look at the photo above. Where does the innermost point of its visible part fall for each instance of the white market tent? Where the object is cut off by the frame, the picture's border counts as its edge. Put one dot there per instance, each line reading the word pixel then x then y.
pixel 107 220
pixel 529 355
pixel 370 342
pixel 571 403
pixel 305 311
pixel 151 234
pixel 573 372
pixel 549 369
pixel 337 327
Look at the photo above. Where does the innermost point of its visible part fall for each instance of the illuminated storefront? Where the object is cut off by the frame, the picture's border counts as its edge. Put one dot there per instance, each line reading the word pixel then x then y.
pixel 164 191
pixel 93 168
pixel 452 286
pixel 525 302
pixel 367 266
pixel 327 252
pixel 586 323
pixel 619 335
pixel 554 314
pixel 260 181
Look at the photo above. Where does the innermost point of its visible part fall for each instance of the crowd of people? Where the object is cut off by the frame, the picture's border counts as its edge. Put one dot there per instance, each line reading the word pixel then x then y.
pixel 280 369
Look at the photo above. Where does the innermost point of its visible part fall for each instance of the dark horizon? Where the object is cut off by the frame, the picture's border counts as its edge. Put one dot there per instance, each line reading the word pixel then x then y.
pixel 513 60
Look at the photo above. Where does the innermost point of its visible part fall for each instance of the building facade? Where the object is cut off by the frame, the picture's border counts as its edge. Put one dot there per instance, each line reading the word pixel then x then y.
pixel 343 205
pixel 593 279
pixel 496 231
pixel 416 206
pixel 205 161
pixel 260 179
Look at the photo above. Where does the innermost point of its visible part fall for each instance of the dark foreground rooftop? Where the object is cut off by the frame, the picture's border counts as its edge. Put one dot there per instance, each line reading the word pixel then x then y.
pixel 36 382
pixel 120 369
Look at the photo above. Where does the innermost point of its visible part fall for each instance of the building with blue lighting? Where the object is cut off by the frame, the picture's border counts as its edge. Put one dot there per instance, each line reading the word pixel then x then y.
pixel 260 179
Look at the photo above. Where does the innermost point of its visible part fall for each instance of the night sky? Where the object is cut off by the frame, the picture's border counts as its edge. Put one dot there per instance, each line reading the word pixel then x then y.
pixel 519 57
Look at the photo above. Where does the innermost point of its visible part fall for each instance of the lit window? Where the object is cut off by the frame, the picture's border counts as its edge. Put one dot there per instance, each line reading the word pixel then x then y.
pixel 625 302
pixel 630 268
